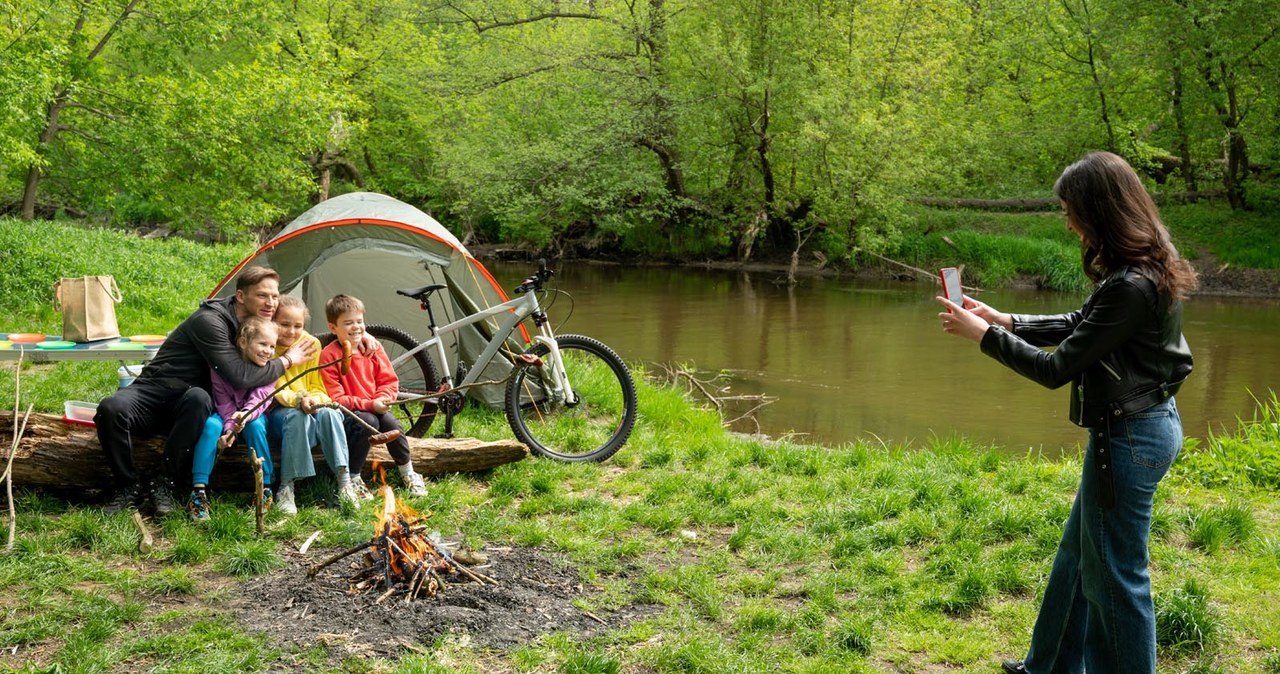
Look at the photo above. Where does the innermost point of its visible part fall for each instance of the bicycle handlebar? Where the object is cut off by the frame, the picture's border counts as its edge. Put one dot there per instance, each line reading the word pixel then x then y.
pixel 535 281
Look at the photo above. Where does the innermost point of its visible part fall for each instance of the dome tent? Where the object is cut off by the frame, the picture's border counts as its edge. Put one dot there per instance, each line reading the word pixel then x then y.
pixel 367 245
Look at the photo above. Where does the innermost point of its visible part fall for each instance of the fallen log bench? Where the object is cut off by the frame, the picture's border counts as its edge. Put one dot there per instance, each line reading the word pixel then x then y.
pixel 55 454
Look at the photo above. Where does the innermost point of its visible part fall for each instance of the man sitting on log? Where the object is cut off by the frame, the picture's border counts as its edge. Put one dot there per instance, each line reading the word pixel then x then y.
pixel 171 395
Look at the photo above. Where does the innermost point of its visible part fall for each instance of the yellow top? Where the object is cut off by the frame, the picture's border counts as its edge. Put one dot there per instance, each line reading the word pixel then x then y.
pixel 309 384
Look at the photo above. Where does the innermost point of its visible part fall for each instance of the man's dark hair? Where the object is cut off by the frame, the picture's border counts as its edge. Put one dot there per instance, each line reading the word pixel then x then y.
pixel 253 276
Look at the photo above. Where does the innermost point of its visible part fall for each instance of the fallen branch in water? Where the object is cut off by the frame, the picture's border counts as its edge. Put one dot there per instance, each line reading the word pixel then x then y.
pixel 714 392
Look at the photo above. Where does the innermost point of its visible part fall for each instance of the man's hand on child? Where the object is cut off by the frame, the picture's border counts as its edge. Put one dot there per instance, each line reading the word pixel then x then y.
pixel 368 344
pixel 300 352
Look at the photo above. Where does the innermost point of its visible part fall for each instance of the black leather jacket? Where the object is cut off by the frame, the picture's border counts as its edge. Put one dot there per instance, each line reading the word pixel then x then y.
pixel 1125 343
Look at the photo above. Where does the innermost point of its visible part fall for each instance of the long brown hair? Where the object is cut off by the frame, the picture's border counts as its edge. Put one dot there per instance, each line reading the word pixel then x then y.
pixel 1119 224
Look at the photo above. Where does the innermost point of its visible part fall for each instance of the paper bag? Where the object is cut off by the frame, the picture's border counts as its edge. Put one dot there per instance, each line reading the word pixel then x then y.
pixel 88 307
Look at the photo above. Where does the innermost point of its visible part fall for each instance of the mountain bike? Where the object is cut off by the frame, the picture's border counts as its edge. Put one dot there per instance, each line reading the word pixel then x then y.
pixel 567 397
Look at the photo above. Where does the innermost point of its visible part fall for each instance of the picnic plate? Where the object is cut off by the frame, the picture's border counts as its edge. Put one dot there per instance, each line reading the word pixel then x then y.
pixel 26 337
pixel 147 339
pixel 59 344
pixel 126 346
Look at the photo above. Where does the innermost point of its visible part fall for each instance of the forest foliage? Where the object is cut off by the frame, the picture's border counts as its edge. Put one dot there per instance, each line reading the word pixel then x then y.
pixel 660 127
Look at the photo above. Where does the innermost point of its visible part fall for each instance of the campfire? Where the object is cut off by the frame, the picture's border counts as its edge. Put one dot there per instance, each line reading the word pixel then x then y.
pixel 401 559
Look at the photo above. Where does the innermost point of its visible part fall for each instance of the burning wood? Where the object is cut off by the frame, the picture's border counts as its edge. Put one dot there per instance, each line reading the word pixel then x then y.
pixel 401 559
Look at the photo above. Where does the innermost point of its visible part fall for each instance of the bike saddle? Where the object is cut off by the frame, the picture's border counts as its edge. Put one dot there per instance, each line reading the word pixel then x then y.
pixel 420 293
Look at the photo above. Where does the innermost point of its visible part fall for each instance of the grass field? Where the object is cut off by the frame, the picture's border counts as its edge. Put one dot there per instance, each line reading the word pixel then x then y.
pixel 752 555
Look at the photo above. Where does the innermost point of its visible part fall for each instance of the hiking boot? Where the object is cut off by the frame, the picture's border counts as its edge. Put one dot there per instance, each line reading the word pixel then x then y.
pixel 362 492
pixel 198 505
pixel 347 494
pixel 416 486
pixel 162 500
pixel 284 501
pixel 1013 667
pixel 123 498
pixel 268 499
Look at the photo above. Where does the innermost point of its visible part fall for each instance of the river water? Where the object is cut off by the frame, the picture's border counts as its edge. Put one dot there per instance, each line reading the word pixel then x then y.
pixel 849 360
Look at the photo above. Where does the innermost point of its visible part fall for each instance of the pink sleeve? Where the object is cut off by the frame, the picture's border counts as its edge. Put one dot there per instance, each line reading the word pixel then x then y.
pixel 224 399
pixel 258 395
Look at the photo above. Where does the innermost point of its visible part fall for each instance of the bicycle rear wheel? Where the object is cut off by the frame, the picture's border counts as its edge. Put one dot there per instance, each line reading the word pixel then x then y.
pixel 594 424
pixel 418 375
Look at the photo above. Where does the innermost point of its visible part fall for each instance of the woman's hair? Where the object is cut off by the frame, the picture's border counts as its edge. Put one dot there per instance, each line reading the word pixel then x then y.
pixel 1119 224
pixel 291 302
pixel 252 328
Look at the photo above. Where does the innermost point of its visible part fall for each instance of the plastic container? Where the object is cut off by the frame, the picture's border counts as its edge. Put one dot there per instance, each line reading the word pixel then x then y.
pixel 127 373
pixel 77 412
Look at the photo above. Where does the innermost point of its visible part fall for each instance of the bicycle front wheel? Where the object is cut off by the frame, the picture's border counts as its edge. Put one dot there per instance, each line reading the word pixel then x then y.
pixel 593 423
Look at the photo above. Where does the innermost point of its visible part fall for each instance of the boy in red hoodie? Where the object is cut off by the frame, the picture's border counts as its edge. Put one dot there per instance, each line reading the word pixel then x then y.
pixel 368 390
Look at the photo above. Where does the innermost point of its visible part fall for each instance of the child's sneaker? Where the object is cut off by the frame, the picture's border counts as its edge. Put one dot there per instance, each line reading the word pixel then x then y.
pixel 347 494
pixel 284 501
pixel 416 486
pixel 267 499
pixel 198 506
pixel 362 492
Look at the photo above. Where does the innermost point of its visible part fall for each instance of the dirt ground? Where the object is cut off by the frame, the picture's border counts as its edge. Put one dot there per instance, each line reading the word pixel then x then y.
pixel 535 595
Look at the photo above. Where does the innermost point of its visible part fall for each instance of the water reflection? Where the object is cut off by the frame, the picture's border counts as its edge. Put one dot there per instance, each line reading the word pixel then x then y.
pixel 849 360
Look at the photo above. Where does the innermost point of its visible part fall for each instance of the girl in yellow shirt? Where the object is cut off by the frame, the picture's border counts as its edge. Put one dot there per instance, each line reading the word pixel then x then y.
pixel 299 418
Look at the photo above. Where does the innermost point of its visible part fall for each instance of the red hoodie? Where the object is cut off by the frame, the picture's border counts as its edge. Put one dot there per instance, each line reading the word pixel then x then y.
pixel 371 377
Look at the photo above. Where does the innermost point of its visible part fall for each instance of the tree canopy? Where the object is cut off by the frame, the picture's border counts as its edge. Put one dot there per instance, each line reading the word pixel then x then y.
pixel 656 126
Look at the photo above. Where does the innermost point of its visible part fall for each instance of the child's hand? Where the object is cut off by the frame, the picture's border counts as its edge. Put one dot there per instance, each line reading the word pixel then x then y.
pixel 237 421
pixel 307 405
pixel 226 440
pixel 380 405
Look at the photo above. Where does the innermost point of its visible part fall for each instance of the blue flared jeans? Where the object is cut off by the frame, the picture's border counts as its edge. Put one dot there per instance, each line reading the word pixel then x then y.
pixel 299 432
pixel 206 451
pixel 1097 613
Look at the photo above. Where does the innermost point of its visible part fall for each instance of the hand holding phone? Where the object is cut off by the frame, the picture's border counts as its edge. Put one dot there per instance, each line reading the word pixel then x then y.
pixel 951 285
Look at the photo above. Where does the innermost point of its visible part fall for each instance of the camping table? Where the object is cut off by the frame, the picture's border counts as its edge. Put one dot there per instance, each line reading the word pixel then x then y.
pixel 100 351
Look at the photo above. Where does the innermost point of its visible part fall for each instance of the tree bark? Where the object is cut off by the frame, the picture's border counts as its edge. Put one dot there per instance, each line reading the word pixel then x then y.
pixel 57 454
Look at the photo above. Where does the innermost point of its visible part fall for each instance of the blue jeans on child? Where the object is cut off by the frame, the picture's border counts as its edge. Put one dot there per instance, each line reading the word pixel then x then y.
pixel 299 432
pixel 254 435
pixel 1097 612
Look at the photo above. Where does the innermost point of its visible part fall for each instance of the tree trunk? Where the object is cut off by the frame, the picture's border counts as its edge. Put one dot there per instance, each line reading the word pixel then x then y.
pixel 1180 124
pixel 54 453
pixel 32 183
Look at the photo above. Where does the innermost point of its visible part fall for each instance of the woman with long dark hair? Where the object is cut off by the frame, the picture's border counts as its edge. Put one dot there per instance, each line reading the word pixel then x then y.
pixel 1124 356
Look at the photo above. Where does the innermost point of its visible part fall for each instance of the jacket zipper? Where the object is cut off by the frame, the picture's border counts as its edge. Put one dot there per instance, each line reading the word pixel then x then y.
pixel 1110 370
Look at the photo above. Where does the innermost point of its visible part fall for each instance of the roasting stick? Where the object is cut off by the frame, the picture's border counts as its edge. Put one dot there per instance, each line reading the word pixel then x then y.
pixel 376 437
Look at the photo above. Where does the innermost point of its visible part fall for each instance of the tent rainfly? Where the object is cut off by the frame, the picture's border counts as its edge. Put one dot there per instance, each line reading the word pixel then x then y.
pixel 367 245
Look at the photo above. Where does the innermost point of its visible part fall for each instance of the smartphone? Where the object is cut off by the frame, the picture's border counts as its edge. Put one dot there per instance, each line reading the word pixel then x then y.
pixel 951 285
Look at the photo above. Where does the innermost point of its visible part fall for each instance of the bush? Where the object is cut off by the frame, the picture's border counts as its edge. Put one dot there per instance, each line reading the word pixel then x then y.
pixel 1251 455
pixel 1184 619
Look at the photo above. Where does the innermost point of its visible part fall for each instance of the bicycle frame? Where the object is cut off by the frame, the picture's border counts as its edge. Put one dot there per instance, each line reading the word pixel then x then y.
pixel 518 310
